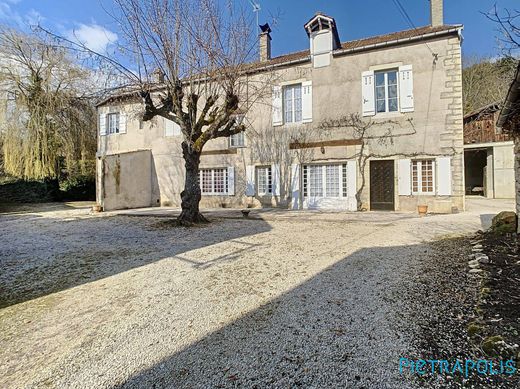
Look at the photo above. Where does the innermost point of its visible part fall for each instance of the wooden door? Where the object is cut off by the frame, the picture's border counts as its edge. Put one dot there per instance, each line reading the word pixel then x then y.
pixel 382 185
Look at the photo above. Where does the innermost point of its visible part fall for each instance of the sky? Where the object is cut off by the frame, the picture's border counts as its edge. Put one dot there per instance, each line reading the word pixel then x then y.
pixel 89 21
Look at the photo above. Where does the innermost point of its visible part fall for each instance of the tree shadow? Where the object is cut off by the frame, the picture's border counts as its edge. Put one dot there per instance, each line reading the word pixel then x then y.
pixel 43 255
pixel 347 326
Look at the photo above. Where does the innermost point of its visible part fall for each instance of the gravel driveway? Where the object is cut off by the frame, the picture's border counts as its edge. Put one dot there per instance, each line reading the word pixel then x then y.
pixel 287 299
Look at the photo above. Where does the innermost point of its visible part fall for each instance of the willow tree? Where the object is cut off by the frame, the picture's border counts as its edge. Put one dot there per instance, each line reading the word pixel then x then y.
pixel 49 120
pixel 202 51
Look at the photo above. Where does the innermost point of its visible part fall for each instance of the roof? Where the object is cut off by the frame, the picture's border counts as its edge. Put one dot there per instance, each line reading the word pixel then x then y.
pixel 368 43
pixel 395 38
pixel 489 108
pixel 512 102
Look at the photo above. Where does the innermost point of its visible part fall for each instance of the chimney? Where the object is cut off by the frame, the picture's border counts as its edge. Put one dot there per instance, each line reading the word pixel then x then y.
pixel 436 13
pixel 265 42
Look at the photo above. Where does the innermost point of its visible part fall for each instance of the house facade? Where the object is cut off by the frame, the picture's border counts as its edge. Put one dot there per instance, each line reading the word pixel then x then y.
pixel 371 124
pixel 488 155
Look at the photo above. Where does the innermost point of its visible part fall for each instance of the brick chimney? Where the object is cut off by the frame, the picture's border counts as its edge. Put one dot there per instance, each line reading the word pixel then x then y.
pixel 436 12
pixel 265 42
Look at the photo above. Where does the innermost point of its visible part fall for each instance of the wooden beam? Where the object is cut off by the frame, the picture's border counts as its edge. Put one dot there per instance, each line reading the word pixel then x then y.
pixel 219 152
pixel 326 143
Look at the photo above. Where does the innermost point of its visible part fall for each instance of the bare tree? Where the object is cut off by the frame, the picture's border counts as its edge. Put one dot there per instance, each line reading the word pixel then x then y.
pixel 202 51
pixel 508 21
pixel 485 81
pixel 48 120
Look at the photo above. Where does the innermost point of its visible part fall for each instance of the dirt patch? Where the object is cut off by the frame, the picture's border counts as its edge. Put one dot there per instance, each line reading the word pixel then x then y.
pixel 499 307
pixel 451 327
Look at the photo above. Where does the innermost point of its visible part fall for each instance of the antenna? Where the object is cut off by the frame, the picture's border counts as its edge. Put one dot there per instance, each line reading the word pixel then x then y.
pixel 256 10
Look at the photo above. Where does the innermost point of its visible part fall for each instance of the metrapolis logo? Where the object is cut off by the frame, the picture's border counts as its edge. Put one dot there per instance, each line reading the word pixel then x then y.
pixel 462 367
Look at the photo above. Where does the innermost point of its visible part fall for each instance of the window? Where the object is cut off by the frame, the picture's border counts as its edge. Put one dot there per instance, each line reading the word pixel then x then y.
pixel 325 180
pixel 214 181
pixel 237 140
pixel 264 177
pixel 422 176
pixel 387 96
pixel 292 103
pixel 113 123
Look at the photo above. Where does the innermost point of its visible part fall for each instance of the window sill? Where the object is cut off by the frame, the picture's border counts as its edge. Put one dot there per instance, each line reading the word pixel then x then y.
pixel 386 115
pixel 215 194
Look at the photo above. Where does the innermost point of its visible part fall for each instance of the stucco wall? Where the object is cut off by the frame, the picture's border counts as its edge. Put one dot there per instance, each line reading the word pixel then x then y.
pixel 504 173
pixel 433 129
pixel 125 180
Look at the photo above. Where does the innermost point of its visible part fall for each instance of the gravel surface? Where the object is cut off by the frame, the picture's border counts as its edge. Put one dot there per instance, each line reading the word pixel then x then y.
pixel 290 299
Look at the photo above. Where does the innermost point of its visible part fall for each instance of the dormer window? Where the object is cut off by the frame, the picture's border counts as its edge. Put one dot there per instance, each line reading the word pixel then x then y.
pixel 323 37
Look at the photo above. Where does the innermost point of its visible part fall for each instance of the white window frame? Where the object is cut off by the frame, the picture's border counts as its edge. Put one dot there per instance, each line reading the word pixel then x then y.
pixel 418 163
pixel 387 105
pixel 342 184
pixel 237 141
pixel 292 87
pixel 109 129
pixel 213 192
pixel 264 188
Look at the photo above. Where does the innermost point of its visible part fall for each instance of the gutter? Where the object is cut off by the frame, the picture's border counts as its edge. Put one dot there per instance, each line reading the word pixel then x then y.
pixel 512 102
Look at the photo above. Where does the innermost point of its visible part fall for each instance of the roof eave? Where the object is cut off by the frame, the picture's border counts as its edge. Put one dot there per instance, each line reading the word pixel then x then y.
pixel 510 106
pixel 399 41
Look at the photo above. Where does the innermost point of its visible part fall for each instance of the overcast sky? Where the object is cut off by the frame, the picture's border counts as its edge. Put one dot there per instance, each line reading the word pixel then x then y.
pixel 88 20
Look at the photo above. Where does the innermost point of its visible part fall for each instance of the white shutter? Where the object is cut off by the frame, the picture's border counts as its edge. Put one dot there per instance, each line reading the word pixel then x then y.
pixel 404 177
pixel 307 101
pixel 406 88
pixel 102 124
pixel 250 180
pixel 231 181
pixel 444 176
pixel 122 123
pixel 176 129
pixel 352 184
pixel 275 171
pixel 277 106
pixel 295 186
pixel 368 93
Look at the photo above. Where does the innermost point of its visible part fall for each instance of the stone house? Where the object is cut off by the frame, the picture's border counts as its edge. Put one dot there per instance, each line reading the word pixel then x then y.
pixel 375 123
pixel 488 155
pixel 509 121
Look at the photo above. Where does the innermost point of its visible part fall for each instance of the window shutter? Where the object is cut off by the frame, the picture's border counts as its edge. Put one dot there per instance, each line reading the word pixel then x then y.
pixel 250 180
pixel 406 88
pixel 275 171
pixel 352 185
pixel 102 124
pixel 231 181
pixel 368 93
pixel 444 176
pixel 295 186
pixel 404 177
pixel 122 123
pixel 277 106
pixel 307 101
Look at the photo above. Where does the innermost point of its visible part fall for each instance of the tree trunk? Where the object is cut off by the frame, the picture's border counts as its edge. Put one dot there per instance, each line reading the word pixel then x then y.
pixel 191 195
